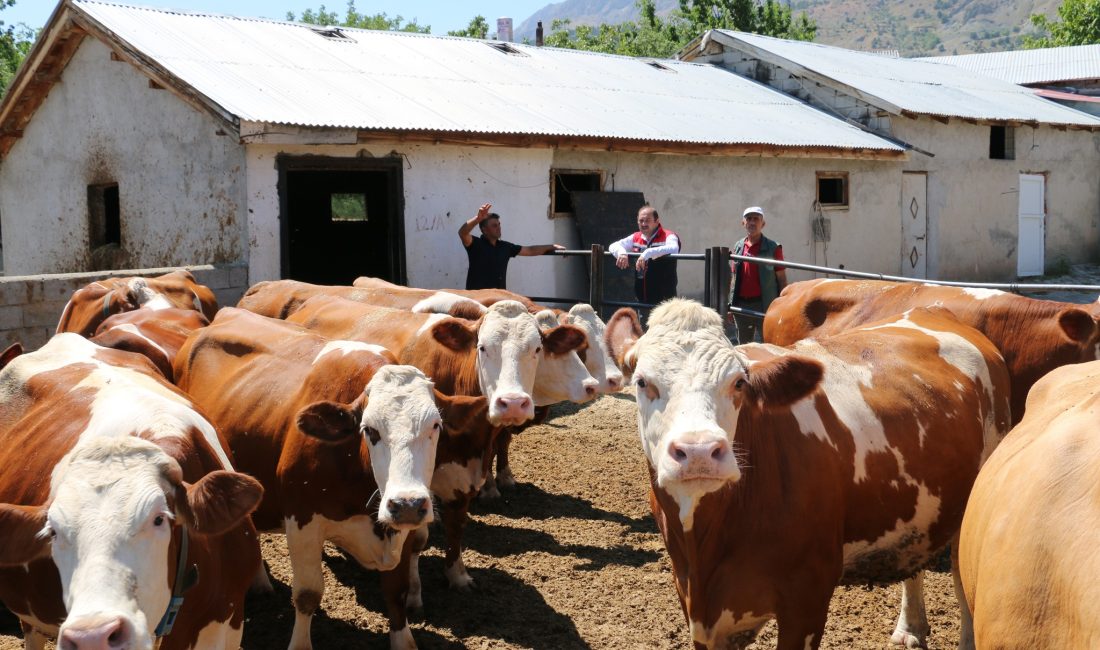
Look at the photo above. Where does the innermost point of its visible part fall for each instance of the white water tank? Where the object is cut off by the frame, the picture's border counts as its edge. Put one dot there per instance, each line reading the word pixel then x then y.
pixel 504 29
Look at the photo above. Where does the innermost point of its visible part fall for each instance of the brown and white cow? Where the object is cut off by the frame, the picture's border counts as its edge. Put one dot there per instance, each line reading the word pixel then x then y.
pixel 1028 549
pixel 487 297
pixel 777 473
pixel 154 333
pixel 92 304
pixel 107 468
pixel 460 357
pixel 343 440
pixel 281 298
pixel 1034 336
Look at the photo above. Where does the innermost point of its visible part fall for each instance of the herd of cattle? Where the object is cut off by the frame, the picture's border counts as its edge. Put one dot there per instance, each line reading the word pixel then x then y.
pixel 147 442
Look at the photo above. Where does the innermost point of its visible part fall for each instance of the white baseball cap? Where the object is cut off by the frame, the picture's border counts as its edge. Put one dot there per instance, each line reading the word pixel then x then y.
pixel 756 209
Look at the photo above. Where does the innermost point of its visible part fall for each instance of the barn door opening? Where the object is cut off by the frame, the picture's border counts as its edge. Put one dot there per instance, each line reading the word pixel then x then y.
pixel 341 218
pixel 1032 217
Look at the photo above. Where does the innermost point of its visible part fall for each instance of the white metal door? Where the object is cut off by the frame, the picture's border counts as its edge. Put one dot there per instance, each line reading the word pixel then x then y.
pixel 914 225
pixel 1029 251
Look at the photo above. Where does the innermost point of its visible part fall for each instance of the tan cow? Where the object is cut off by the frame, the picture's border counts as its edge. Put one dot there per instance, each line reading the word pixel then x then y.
pixel 343 440
pixel 281 298
pixel 156 334
pixel 778 473
pixel 1035 336
pixel 1028 549
pixel 92 304
pixel 108 469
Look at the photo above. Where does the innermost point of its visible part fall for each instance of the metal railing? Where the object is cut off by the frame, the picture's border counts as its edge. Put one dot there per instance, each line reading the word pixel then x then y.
pixel 717 279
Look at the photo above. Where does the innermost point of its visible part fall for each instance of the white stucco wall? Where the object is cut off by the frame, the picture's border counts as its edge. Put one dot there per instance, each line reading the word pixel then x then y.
pixel 701 198
pixel 444 186
pixel 973 201
pixel 181 188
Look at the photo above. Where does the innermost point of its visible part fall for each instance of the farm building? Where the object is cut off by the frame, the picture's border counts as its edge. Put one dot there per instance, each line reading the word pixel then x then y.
pixel 1067 75
pixel 136 138
pixel 998 182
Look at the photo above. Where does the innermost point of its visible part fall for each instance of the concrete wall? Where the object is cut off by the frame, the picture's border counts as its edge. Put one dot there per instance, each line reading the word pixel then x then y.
pixel 444 186
pixel 181 185
pixel 701 198
pixel 973 201
pixel 31 305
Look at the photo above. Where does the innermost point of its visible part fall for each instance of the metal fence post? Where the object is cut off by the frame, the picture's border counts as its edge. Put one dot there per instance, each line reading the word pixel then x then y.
pixel 724 275
pixel 708 277
pixel 595 279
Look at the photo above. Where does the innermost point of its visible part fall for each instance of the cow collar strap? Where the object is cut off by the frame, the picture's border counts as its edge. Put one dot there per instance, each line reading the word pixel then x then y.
pixel 186 577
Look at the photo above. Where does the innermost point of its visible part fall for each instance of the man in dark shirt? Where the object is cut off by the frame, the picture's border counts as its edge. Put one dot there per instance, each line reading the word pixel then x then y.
pixel 489 254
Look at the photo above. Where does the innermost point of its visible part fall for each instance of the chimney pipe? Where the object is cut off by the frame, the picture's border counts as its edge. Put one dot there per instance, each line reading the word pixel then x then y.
pixel 504 29
pixel 538 34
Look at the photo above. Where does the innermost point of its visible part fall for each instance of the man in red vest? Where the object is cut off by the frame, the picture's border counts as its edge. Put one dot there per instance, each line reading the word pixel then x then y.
pixel 654 272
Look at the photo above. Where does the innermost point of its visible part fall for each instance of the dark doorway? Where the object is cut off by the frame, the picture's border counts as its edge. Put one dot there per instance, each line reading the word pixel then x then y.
pixel 341 218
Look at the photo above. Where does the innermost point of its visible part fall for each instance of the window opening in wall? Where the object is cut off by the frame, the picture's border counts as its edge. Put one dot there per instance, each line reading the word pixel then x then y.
pixel 1002 143
pixel 348 207
pixel 104 215
pixel 832 189
pixel 567 181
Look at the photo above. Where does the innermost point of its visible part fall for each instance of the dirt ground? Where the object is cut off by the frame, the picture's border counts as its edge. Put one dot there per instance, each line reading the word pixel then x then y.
pixel 570 558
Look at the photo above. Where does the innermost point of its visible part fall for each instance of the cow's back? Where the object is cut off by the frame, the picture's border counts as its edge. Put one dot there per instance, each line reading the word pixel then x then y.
pixel 1028 555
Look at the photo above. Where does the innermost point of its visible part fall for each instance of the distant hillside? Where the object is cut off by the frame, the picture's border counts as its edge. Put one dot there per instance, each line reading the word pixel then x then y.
pixel 914 27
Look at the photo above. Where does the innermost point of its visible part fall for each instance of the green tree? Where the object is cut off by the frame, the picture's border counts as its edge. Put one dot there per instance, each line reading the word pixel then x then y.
pixel 352 18
pixel 15 43
pixel 1079 25
pixel 653 36
pixel 478 28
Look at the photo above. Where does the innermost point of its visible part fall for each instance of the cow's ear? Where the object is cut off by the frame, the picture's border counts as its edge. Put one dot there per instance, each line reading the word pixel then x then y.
pixel 782 381
pixel 12 351
pixel 329 421
pixel 623 331
pixel 461 413
pixel 20 538
pixel 454 334
pixel 1077 324
pixel 564 339
pixel 219 502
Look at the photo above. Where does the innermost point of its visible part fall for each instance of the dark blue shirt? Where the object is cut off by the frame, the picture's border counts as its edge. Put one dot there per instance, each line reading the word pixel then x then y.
pixel 489 263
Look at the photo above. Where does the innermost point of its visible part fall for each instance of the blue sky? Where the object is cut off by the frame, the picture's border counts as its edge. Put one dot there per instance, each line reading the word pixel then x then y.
pixel 442 15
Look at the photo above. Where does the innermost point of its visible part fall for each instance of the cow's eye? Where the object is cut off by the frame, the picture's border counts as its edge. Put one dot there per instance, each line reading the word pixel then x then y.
pixel 372 434
pixel 438 426
pixel 640 382
pixel 159 520
pixel 538 349
pixel 739 384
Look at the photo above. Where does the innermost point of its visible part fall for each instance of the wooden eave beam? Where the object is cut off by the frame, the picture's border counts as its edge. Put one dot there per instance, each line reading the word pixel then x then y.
pixel 630 146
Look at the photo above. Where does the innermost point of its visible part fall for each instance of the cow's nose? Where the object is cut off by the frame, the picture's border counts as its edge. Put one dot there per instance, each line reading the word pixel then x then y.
pixel 615 382
pixel 408 511
pixel 99 633
pixel 590 386
pixel 699 459
pixel 515 406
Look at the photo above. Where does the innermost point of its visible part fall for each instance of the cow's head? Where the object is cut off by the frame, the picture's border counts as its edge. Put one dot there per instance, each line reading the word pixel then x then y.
pixel 509 346
pixel 692 385
pixel 112 527
pixel 597 357
pixel 399 420
pixel 562 375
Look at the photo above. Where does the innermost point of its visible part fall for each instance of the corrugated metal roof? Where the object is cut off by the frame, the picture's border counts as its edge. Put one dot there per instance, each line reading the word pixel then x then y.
pixel 1047 65
pixel 915 86
pixel 286 73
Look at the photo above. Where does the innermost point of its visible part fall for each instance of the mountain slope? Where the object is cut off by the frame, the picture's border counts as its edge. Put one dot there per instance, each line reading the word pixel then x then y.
pixel 914 27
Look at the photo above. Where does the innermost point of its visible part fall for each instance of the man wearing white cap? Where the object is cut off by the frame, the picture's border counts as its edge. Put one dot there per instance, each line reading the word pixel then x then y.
pixel 754 286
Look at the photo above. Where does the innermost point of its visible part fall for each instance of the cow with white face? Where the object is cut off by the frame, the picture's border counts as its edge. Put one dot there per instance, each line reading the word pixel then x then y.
pixel 778 473
pixel 597 358
pixel 124 469
pixel 343 440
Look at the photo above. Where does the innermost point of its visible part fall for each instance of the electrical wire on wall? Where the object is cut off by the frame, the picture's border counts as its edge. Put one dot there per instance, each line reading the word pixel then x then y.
pixel 820 228
pixel 541 183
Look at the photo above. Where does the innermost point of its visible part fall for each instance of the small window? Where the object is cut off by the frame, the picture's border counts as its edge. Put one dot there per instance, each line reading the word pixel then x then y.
pixel 1002 143
pixel 568 181
pixel 348 207
pixel 104 215
pixel 832 189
